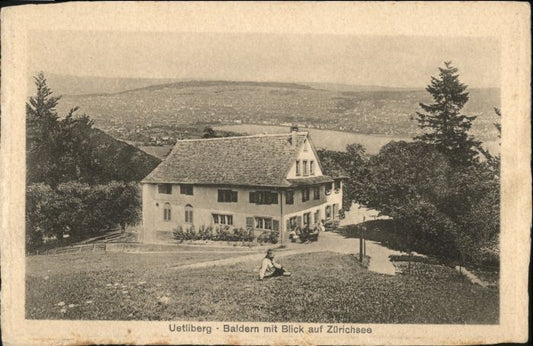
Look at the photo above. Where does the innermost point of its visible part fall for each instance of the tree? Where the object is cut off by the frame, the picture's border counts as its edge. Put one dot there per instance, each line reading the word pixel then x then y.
pixel 42 128
pixel 493 161
pixel 447 127
pixel 350 164
pixel 126 205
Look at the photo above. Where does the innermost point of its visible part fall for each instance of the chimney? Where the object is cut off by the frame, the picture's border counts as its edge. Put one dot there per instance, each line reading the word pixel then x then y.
pixel 294 131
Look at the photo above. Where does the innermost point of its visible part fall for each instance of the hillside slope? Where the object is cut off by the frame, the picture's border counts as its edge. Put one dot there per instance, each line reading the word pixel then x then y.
pixel 171 105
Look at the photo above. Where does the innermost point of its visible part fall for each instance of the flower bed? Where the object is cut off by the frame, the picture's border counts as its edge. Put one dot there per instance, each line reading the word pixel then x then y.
pixel 225 233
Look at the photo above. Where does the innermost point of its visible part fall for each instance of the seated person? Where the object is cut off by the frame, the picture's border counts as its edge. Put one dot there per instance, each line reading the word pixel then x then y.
pixel 270 268
pixel 313 236
pixel 294 234
pixel 305 234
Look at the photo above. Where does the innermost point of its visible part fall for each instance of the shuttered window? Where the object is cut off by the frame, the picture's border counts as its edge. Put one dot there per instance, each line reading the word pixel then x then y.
pixel 188 214
pixel 167 212
pixel 227 196
pixel 222 219
pixel 316 192
pixel 337 186
pixel 317 216
pixel 305 194
pixel 264 197
pixel 289 197
pixel 164 189
pixel 186 190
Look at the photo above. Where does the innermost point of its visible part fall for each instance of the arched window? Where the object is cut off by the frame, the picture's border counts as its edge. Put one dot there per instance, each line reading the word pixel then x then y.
pixel 188 214
pixel 167 212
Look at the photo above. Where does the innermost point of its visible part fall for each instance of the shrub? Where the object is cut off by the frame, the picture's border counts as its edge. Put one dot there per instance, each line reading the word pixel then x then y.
pixel 190 233
pixel 273 237
pixel 178 233
pixel 263 237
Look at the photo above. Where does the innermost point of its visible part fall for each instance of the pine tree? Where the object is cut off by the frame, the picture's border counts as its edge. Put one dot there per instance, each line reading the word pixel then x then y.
pixel 42 127
pixel 448 128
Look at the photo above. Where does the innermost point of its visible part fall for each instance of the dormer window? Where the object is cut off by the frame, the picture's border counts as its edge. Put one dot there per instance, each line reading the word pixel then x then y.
pixel 305 167
pixel 312 167
pixel 298 167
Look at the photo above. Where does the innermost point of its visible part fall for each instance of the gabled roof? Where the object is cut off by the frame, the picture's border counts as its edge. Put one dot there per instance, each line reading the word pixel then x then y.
pixel 259 160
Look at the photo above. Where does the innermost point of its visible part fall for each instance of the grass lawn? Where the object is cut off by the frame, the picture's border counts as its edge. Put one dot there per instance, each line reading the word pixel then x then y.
pixel 324 287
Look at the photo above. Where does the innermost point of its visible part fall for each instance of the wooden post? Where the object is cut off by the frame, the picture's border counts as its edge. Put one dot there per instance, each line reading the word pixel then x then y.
pixel 361 247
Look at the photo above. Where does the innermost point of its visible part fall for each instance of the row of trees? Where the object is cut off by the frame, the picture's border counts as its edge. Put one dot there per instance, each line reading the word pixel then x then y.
pixel 442 190
pixel 79 210
pixel 80 181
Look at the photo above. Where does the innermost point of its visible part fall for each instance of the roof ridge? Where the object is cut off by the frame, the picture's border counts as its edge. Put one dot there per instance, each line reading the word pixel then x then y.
pixel 238 137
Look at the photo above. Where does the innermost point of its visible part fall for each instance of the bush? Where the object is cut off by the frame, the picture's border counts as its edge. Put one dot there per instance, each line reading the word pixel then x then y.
pixel 224 233
pixel 273 237
pixel 79 210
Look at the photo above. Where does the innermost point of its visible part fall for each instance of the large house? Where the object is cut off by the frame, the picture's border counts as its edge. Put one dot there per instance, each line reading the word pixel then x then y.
pixel 265 182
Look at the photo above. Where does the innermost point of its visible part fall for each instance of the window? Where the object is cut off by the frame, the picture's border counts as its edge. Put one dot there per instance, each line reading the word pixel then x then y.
pixel 264 197
pixel 337 186
pixel 328 188
pixel 293 222
pixel 221 219
pixel 289 197
pixel 167 212
pixel 328 212
pixel 188 213
pixel 227 196
pixel 186 190
pixel 312 167
pixel 317 215
pixel 305 194
pixel 307 219
pixel 165 189
pixel 263 223
pixel 305 167
pixel 297 167
pixel 335 211
pixel 316 192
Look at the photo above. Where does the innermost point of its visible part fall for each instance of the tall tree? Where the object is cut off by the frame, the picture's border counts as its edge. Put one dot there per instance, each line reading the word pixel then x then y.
pixel 446 127
pixel 41 130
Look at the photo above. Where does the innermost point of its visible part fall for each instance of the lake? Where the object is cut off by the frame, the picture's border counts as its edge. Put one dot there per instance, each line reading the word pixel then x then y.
pixel 334 140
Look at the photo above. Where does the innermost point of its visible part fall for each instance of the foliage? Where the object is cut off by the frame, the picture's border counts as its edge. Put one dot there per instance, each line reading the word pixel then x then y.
pixel 450 212
pixel 71 149
pixel 447 127
pixel 493 161
pixel 79 210
pixel 351 164
pixel 224 233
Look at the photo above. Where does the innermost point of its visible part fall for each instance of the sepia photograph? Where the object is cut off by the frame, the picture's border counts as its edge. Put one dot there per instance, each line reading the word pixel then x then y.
pixel 233 186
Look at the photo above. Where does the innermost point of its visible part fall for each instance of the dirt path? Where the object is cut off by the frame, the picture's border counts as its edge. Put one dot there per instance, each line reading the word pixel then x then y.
pixel 328 241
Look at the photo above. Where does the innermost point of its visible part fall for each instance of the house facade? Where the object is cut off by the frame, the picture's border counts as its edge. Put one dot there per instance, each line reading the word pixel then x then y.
pixel 264 182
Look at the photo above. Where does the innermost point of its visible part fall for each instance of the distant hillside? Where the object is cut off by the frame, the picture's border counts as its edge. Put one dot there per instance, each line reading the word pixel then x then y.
pixel 350 87
pixel 75 85
pixel 205 84
pixel 168 107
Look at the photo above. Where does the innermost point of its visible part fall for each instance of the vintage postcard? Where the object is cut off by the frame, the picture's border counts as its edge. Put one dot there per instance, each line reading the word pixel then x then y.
pixel 265 173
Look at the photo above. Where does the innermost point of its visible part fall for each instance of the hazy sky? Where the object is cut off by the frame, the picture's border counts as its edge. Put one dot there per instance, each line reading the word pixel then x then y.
pixel 396 61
